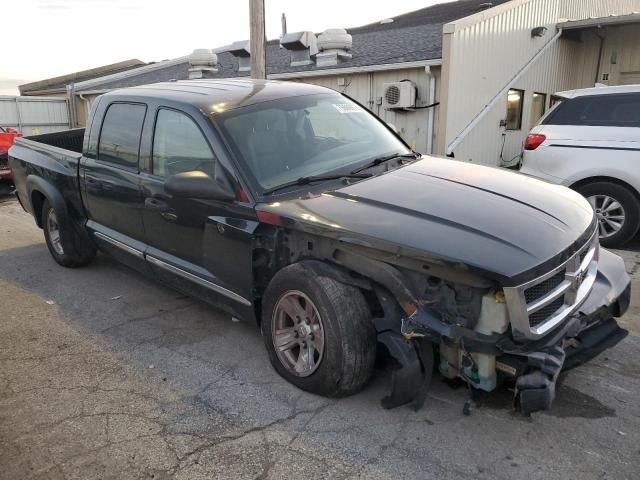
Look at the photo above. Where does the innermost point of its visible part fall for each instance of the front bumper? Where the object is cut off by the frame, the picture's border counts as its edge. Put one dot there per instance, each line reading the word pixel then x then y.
pixel 534 365
pixel 588 332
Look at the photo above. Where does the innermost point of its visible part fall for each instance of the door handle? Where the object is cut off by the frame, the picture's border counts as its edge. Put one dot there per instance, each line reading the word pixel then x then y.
pixel 156 204
pixel 170 217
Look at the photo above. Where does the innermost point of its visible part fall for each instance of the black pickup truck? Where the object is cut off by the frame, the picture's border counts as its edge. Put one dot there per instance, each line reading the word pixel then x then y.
pixel 294 205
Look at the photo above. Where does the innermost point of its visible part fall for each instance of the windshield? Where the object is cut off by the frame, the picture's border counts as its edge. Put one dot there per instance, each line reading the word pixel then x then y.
pixel 283 140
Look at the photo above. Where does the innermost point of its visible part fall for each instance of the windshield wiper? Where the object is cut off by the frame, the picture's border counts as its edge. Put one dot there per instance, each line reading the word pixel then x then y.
pixel 377 161
pixel 319 178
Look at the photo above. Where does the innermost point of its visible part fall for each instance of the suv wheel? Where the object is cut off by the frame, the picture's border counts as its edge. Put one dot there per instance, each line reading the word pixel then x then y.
pixel 65 255
pixel 617 210
pixel 318 332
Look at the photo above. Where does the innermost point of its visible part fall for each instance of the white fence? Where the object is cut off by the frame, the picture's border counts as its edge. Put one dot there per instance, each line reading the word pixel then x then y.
pixel 34 115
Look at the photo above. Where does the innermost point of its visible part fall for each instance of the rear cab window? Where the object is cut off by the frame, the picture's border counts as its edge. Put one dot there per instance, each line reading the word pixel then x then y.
pixel 119 142
pixel 609 110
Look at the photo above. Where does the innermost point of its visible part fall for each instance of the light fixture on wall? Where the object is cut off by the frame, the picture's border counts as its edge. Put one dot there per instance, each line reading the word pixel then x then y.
pixel 538 31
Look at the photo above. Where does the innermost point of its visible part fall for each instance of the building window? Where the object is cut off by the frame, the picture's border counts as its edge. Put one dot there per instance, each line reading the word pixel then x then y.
pixel 538 103
pixel 554 100
pixel 514 109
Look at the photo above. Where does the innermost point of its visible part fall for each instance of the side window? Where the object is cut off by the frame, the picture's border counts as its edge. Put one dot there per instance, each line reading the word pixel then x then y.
pixel 612 110
pixel 179 146
pixel 120 134
pixel 514 109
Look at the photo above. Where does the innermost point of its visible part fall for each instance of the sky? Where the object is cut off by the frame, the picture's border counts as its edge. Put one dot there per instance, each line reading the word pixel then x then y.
pixel 47 38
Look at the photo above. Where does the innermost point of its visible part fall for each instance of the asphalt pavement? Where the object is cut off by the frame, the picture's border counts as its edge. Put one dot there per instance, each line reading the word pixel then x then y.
pixel 107 374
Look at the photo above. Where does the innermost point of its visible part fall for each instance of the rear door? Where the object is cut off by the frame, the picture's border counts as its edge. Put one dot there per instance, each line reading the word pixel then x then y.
pixel 111 185
pixel 201 246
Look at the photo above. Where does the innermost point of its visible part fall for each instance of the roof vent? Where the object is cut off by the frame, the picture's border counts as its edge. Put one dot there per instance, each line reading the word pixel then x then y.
pixel 202 63
pixel 242 52
pixel 334 45
pixel 302 45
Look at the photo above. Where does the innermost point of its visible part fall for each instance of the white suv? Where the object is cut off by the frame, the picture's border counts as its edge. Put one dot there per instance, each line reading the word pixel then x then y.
pixel 590 142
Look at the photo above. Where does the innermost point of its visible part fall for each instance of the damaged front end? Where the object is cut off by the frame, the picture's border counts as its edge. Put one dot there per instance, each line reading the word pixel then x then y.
pixel 569 315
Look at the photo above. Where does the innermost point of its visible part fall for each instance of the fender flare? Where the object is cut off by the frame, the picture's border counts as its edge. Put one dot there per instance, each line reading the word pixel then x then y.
pixel 55 198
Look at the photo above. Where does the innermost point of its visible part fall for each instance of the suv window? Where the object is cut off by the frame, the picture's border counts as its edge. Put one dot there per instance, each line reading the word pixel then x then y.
pixel 120 135
pixel 179 146
pixel 614 110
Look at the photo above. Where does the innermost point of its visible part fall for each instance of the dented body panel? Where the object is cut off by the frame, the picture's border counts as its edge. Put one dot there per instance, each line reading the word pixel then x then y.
pixel 437 209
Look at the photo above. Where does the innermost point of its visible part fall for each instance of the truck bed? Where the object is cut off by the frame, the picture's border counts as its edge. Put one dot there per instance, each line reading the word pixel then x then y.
pixel 50 162
pixel 67 139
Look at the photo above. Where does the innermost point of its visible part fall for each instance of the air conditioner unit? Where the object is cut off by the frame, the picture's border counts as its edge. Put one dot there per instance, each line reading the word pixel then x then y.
pixel 399 95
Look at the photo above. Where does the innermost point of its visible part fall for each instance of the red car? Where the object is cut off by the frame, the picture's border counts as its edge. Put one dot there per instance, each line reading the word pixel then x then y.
pixel 7 135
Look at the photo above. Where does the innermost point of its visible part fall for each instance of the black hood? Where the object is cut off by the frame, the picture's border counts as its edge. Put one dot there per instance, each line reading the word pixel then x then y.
pixel 487 218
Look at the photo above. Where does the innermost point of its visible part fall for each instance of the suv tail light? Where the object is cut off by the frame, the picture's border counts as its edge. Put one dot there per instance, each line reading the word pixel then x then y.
pixel 533 141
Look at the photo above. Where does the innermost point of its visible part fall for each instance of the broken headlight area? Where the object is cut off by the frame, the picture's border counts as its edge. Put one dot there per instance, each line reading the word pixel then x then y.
pixel 484 355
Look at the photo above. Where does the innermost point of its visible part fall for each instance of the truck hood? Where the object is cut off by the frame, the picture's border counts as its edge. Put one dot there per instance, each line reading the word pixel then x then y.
pixel 489 219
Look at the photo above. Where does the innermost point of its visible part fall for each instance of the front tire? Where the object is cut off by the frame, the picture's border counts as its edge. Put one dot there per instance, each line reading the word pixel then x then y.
pixel 63 253
pixel 617 209
pixel 318 332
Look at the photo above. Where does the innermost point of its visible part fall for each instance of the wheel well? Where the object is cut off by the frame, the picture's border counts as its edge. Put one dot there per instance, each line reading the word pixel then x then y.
pixel 37 201
pixel 587 181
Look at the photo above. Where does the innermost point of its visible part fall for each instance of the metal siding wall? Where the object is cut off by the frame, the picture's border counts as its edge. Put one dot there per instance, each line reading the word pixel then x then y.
pixel 623 42
pixel 487 54
pixel 33 115
pixel 366 88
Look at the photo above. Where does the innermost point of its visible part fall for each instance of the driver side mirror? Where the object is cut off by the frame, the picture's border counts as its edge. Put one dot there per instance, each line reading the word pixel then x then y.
pixel 198 185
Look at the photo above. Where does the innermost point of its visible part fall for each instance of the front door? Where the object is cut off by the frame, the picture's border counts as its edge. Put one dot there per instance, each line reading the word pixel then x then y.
pixel 192 242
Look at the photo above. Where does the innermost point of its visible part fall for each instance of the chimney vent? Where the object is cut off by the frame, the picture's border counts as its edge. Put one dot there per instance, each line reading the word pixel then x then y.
pixel 334 45
pixel 242 51
pixel 302 45
pixel 202 63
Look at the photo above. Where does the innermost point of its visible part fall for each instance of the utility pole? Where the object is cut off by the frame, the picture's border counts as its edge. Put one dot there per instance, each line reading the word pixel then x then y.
pixel 258 41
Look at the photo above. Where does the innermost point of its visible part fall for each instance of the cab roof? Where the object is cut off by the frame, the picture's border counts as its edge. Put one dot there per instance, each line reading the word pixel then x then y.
pixel 216 96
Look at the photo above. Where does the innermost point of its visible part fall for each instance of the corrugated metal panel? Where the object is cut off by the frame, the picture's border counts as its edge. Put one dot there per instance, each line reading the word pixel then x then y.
pixel 367 88
pixel 31 115
pixel 486 55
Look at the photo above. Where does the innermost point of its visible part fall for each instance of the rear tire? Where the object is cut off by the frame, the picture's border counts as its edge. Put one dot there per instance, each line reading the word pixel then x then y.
pixel 338 327
pixel 617 209
pixel 66 255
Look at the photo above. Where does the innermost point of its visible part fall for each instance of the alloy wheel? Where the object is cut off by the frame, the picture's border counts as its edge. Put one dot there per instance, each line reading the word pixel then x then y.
pixel 610 214
pixel 54 232
pixel 298 333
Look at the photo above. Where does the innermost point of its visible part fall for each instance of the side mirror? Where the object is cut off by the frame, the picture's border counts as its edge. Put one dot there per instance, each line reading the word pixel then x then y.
pixel 198 185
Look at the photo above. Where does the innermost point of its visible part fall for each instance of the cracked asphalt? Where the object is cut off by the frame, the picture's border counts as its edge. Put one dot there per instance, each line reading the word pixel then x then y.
pixel 106 374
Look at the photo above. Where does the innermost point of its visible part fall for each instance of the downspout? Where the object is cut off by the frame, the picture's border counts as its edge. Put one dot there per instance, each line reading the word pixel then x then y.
pixel 599 56
pixel 18 115
pixel 86 108
pixel 72 104
pixel 431 114
pixel 487 108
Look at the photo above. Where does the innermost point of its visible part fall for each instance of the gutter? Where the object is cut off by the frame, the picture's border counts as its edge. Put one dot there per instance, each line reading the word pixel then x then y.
pixel 487 108
pixel 350 70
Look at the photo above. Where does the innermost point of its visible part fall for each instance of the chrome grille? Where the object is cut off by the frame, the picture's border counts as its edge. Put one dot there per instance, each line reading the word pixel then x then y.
pixel 536 318
pixel 538 306
pixel 544 287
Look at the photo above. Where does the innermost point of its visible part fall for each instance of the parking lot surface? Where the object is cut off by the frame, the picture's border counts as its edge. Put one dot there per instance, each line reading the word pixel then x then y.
pixel 107 374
